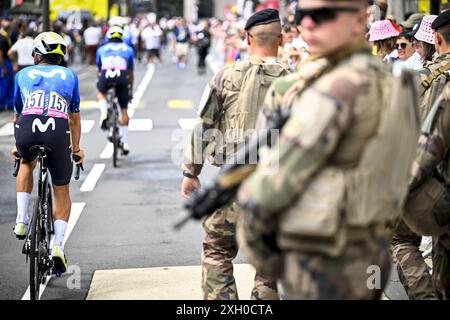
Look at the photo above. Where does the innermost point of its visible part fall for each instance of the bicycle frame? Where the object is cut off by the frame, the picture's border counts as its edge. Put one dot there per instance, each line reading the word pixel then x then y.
pixel 113 116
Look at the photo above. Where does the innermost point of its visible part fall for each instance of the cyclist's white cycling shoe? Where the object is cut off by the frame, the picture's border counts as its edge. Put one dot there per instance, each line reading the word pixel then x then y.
pixel 60 259
pixel 20 230
pixel 125 149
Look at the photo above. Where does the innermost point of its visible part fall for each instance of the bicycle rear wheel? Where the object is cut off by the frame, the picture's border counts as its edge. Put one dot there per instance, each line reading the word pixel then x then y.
pixel 115 136
pixel 35 241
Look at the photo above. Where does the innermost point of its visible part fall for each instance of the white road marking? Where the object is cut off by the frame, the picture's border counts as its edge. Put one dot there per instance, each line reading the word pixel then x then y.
pixel 27 296
pixel 108 151
pixel 87 125
pixel 187 124
pixel 131 112
pixel 7 130
pixel 75 213
pixel 92 178
pixel 140 125
pixel 161 283
pixel 139 93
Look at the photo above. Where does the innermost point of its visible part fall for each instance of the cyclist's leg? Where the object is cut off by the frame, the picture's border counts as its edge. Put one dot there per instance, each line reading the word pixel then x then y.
pixel 24 183
pixel 61 212
pixel 123 97
pixel 60 165
pixel 102 87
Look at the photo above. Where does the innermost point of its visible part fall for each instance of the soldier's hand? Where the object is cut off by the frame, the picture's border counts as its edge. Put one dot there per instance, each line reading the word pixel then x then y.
pixel 189 185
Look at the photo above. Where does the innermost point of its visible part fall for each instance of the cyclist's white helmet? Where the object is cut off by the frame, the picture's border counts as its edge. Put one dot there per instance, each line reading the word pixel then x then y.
pixel 117 21
pixel 49 43
pixel 114 32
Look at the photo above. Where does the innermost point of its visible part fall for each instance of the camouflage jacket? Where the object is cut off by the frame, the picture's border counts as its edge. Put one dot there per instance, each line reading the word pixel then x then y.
pixel 433 149
pixel 433 81
pixel 224 112
pixel 321 130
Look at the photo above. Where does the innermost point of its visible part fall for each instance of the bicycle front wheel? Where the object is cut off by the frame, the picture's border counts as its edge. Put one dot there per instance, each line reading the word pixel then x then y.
pixel 35 240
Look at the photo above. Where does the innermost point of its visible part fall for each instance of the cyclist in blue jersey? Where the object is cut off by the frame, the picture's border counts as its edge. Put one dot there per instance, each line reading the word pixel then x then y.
pixel 47 112
pixel 115 63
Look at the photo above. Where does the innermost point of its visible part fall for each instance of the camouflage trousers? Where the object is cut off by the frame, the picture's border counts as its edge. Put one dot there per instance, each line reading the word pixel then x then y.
pixel 219 249
pixel 412 269
pixel 359 273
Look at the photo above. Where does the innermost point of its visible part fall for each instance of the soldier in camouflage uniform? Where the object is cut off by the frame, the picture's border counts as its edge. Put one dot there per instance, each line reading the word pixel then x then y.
pixel 300 225
pixel 228 109
pixel 412 269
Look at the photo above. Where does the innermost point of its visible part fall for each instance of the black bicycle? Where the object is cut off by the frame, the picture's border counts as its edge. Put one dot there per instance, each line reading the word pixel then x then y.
pixel 39 233
pixel 113 123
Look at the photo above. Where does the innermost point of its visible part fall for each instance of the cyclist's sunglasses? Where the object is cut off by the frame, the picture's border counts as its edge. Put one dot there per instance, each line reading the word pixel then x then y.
pixel 321 14
pixel 402 46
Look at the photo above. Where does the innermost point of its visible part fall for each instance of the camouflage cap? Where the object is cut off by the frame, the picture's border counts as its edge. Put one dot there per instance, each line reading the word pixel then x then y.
pixel 265 16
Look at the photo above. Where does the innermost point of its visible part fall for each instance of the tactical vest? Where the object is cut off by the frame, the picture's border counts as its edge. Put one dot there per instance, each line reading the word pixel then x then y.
pixel 244 89
pixel 365 181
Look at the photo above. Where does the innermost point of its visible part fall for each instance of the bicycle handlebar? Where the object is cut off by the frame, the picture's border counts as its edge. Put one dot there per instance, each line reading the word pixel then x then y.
pixel 16 167
pixel 79 166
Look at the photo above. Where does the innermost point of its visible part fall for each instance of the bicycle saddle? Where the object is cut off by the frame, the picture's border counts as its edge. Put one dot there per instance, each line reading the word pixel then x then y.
pixel 40 149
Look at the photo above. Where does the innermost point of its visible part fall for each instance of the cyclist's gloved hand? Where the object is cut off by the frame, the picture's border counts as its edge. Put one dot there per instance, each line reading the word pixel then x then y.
pixel 78 156
pixel 15 153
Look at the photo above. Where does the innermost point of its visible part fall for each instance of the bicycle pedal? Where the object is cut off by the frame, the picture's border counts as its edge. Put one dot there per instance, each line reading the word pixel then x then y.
pixel 26 248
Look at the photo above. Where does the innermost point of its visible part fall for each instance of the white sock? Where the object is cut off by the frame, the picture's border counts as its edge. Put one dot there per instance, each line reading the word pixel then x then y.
pixel 124 133
pixel 60 232
pixel 23 199
pixel 103 106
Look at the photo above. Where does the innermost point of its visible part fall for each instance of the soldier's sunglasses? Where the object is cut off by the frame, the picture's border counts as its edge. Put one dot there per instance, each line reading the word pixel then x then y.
pixel 321 14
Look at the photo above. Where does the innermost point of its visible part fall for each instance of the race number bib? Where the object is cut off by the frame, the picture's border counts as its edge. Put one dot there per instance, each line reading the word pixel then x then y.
pixel 34 103
pixel 37 101
pixel 114 62
pixel 57 106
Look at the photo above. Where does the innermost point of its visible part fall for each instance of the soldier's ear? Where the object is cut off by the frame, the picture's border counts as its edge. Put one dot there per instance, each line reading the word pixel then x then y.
pixel 437 39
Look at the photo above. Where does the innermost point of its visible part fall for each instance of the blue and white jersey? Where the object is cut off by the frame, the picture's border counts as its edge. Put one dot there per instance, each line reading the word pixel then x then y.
pixel 47 90
pixel 115 56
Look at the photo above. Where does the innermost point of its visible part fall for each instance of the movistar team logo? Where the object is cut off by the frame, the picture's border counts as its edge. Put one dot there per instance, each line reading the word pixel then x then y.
pixel 112 73
pixel 50 74
pixel 43 127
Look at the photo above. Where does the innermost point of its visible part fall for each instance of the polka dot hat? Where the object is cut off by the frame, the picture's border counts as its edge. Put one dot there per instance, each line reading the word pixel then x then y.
pixel 425 32
pixel 382 29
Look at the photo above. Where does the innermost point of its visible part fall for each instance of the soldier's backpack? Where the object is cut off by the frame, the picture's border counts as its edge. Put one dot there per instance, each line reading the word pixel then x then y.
pixel 374 192
pixel 245 90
